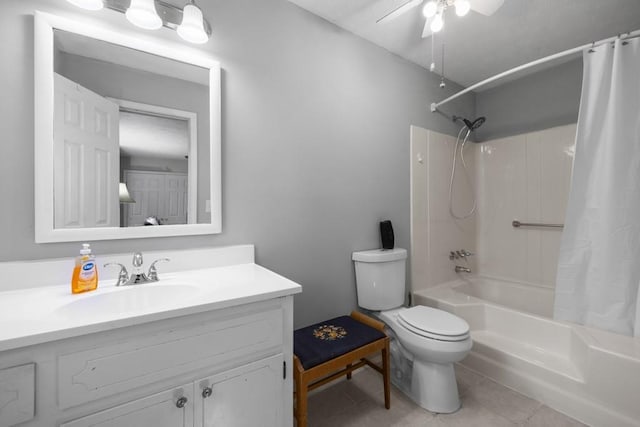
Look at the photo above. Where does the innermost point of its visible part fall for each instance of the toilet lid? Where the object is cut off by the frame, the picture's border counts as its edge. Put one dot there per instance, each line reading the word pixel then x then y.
pixel 434 323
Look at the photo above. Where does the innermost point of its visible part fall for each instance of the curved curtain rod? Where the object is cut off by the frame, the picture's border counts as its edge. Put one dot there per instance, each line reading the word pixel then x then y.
pixel 434 106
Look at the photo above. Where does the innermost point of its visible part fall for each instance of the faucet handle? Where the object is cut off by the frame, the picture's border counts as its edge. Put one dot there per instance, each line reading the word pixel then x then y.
pixel 123 275
pixel 153 272
pixel 137 259
pixel 137 263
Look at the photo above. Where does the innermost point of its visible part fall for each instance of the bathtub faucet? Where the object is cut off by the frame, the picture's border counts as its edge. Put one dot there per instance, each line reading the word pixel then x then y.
pixel 462 269
pixel 462 253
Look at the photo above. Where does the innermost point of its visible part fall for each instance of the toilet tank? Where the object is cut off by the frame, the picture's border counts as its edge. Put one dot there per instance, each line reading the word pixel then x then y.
pixel 380 277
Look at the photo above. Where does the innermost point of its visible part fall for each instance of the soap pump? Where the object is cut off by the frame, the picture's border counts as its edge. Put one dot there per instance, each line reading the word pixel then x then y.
pixel 85 272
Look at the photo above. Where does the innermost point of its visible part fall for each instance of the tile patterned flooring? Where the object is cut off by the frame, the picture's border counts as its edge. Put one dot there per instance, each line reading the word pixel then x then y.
pixel 360 403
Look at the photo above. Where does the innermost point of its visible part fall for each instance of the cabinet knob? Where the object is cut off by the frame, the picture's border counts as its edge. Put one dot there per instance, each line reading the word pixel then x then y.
pixel 182 402
pixel 206 392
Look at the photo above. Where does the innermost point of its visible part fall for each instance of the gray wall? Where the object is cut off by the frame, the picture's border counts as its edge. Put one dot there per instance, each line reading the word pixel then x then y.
pixel 315 143
pixel 539 101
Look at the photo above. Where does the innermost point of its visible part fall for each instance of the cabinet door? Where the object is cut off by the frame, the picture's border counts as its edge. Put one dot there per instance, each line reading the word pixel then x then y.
pixel 171 408
pixel 248 396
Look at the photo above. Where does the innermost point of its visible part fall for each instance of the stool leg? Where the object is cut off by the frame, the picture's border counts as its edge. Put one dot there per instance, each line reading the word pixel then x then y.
pixel 385 375
pixel 301 401
pixel 349 374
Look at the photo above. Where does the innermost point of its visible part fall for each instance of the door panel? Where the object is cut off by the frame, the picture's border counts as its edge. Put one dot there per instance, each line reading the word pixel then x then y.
pixel 86 157
pixel 159 194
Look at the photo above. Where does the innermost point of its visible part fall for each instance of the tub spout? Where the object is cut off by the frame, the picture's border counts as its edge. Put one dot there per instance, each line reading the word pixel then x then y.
pixel 460 269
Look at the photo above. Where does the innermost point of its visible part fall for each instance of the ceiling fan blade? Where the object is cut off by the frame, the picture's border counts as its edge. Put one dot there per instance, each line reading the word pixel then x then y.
pixel 486 7
pixel 399 10
pixel 426 31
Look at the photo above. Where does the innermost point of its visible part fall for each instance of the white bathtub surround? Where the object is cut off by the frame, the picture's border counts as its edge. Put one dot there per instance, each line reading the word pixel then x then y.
pixel 434 233
pixel 598 272
pixel 151 354
pixel 589 374
pixel 524 177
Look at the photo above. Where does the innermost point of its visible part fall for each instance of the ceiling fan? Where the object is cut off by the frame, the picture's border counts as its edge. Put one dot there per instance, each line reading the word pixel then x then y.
pixel 434 10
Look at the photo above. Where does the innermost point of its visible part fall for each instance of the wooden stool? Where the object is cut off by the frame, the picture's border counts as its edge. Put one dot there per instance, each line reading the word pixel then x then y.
pixel 328 350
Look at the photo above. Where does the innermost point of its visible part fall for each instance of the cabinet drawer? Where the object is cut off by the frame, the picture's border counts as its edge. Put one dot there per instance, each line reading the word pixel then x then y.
pixel 113 368
pixel 17 394
pixel 159 410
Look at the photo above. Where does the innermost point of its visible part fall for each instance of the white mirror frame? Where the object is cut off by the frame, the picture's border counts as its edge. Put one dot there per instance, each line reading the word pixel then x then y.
pixel 45 231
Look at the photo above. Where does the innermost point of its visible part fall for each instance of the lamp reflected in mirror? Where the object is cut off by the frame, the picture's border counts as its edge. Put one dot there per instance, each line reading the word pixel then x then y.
pixel 125 197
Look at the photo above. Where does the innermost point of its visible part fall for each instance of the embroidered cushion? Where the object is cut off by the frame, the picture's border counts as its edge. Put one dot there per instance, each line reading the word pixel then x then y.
pixel 327 340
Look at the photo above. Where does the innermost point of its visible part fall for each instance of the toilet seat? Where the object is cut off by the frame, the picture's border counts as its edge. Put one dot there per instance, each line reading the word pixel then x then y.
pixel 434 324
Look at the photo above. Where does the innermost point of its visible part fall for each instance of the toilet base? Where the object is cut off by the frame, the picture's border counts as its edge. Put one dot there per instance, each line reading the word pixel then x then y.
pixel 434 387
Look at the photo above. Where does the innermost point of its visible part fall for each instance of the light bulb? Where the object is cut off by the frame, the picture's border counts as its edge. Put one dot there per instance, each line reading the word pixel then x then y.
pixel 88 4
pixel 142 13
pixel 192 27
pixel 462 7
pixel 437 23
pixel 430 9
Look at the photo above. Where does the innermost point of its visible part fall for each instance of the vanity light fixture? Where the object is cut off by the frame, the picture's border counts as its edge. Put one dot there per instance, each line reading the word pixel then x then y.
pixel 153 14
pixel 143 14
pixel 192 27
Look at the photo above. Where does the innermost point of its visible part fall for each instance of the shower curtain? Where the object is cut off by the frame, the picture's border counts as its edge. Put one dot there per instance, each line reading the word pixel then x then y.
pixel 599 263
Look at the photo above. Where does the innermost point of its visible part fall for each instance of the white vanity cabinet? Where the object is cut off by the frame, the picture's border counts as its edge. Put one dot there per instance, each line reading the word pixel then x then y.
pixel 248 396
pixel 219 368
pixel 202 347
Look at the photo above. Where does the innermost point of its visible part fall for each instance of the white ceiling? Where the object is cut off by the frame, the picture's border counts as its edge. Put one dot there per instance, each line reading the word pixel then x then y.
pixel 478 46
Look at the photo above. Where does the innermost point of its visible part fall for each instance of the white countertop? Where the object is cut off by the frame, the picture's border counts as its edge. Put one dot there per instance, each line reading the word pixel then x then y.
pixel 44 314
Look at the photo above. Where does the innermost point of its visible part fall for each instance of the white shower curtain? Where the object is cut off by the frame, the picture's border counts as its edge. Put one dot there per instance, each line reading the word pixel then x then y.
pixel 599 262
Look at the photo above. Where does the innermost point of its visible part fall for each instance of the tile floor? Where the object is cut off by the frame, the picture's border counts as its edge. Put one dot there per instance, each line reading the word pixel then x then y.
pixel 360 402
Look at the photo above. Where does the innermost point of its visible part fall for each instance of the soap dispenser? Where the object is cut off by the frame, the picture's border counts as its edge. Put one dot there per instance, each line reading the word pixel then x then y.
pixel 85 272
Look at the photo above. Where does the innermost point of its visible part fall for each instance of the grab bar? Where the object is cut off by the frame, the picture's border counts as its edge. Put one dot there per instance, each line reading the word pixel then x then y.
pixel 518 224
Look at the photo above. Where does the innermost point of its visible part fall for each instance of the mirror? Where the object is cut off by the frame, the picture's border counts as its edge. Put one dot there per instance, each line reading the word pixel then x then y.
pixel 127 136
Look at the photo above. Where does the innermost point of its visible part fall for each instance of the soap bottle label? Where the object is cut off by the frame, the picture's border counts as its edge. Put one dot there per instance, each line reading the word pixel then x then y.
pixel 88 270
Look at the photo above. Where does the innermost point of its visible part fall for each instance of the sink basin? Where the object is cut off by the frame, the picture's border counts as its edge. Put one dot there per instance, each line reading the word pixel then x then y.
pixel 140 298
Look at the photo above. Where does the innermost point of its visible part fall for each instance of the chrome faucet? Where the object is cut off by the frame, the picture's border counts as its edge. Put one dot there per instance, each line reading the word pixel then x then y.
pixel 462 253
pixel 123 276
pixel 138 276
pixel 460 269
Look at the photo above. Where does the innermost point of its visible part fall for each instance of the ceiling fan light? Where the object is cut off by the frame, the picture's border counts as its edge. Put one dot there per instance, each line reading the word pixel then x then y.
pixel 88 4
pixel 143 14
pixel 430 9
pixel 437 24
pixel 462 7
pixel 192 27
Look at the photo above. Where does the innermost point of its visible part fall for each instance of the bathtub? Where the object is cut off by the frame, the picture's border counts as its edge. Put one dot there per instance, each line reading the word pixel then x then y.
pixel 588 374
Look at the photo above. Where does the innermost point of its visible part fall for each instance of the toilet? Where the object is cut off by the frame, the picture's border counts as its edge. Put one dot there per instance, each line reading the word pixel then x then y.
pixel 431 340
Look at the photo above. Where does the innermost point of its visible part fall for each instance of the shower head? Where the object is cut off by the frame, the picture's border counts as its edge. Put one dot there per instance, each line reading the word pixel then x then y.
pixel 473 125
